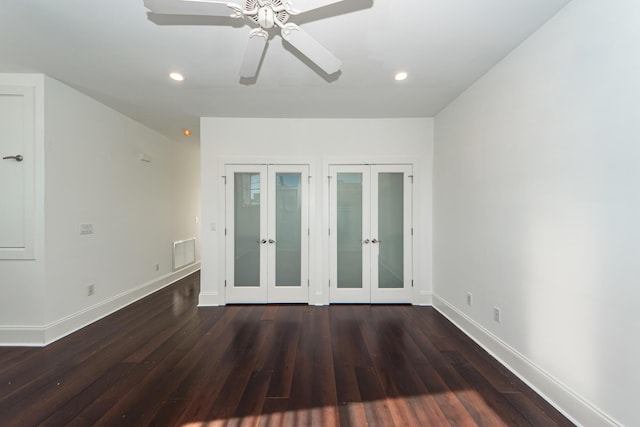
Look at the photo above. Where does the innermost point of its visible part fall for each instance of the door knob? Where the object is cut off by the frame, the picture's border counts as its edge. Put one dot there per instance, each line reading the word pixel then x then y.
pixel 376 241
pixel 271 241
pixel 365 241
pixel 17 158
pixel 263 241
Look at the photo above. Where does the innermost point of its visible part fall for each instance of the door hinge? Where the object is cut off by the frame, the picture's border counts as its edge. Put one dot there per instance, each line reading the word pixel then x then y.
pixel 308 232
pixel 225 283
pixel 329 283
pixel 411 177
pixel 308 283
pixel 412 283
pixel 225 231
pixel 412 231
pixel 329 232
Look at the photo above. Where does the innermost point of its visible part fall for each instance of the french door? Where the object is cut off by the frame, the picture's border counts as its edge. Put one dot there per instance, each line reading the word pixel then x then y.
pixel 267 223
pixel 370 234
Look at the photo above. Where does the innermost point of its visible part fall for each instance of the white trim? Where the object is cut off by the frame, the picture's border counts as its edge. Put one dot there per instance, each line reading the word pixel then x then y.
pixel 21 336
pixel 36 336
pixel 567 401
pixel 423 298
pixel 210 299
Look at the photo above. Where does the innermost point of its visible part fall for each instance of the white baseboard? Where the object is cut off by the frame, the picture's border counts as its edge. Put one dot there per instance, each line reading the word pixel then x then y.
pixel 423 298
pixel 41 336
pixel 210 299
pixel 570 403
pixel 21 336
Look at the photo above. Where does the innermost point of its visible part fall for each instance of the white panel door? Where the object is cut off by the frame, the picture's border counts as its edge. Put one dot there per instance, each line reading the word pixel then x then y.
pixel 350 237
pixel 391 240
pixel 288 233
pixel 370 233
pixel 267 226
pixel 16 173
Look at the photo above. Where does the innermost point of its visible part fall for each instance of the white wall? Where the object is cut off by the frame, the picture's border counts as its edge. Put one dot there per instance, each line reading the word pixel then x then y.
pixel 138 209
pixel 90 173
pixel 22 281
pixel 536 208
pixel 317 142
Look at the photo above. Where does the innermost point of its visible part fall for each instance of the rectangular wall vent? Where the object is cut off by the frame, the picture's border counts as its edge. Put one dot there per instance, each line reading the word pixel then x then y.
pixel 184 253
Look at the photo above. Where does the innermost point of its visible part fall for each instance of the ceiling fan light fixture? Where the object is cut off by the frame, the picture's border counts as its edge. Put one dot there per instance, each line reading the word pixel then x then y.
pixel 186 132
pixel 176 76
pixel 402 75
pixel 267 14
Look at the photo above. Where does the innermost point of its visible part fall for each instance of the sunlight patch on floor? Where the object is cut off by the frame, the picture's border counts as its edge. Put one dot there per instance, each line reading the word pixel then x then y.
pixel 398 410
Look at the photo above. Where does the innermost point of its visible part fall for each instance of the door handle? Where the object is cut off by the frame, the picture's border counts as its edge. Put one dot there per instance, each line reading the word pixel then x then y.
pixel 271 241
pixel 263 241
pixel 17 158
pixel 365 241
pixel 376 241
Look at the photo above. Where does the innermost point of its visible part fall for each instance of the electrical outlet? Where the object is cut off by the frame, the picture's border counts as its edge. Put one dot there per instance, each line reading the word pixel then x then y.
pixel 469 298
pixel 496 314
pixel 86 228
pixel 91 288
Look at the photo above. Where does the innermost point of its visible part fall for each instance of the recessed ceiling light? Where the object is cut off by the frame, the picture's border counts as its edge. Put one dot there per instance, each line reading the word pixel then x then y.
pixel 176 76
pixel 186 132
pixel 401 76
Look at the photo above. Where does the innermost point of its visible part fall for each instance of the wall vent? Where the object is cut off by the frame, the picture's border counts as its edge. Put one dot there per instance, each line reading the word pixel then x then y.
pixel 184 253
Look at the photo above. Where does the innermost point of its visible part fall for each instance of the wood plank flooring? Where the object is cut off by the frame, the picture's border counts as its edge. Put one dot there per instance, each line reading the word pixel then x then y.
pixel 165 362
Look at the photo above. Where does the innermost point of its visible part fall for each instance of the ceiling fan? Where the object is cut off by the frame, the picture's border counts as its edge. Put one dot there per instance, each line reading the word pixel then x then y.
pixel 267 14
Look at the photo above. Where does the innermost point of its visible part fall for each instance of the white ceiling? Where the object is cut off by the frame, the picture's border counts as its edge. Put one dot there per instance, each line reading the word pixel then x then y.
pixel 117 53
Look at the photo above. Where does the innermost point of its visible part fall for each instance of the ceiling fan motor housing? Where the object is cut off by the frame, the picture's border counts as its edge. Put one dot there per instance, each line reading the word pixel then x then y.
pixel 266 16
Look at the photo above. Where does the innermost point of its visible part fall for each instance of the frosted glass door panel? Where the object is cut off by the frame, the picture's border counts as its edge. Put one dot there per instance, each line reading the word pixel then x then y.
pixel 288 233
pixel 391 253
pixel 245 233
pixel 246 214
pixel 349 240
pixel 288 229
pixel 390 230
pixel 349 230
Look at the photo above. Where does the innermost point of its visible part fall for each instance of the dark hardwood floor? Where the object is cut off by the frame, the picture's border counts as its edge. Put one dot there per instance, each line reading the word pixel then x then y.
pixel 165 362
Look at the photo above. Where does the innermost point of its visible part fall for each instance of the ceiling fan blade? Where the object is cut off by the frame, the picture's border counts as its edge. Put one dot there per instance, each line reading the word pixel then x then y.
pixel 301 6
pixel 194 7
pixel 310 48
pixel 253 53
